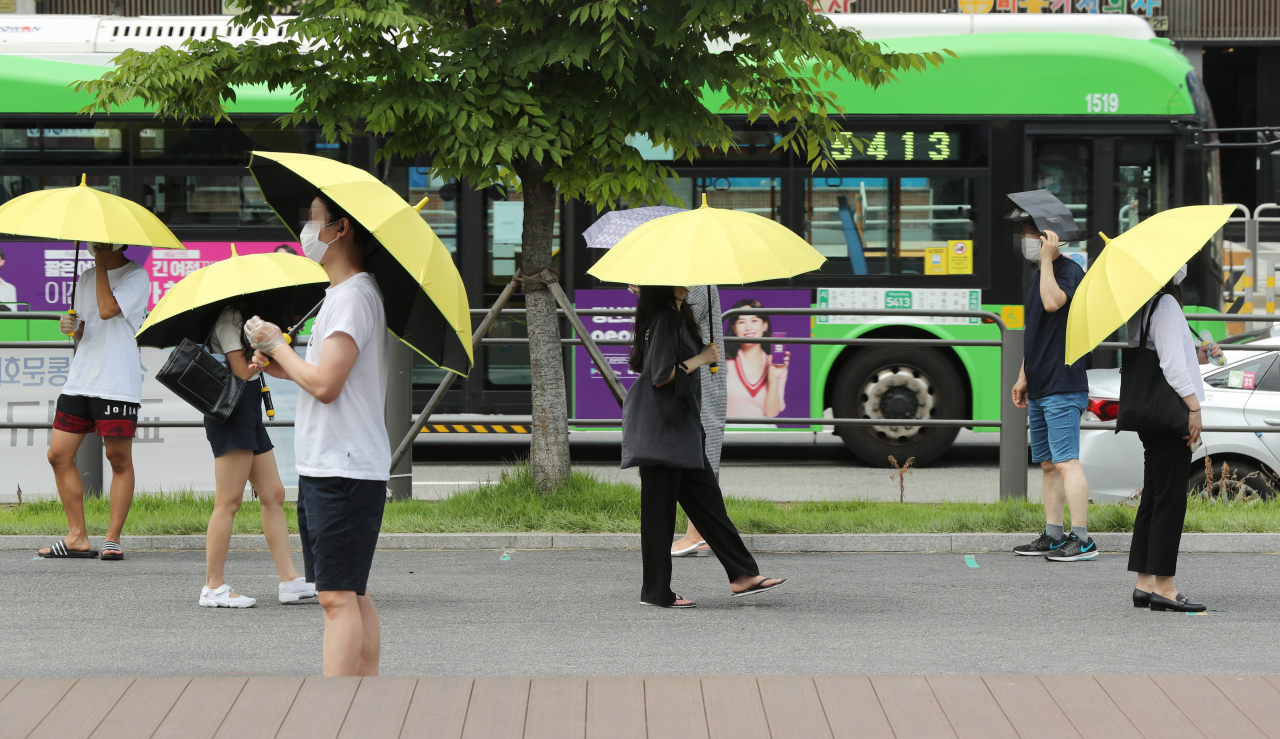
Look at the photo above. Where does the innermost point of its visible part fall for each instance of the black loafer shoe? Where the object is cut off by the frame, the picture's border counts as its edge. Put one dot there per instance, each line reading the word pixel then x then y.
pixel 1181 605
pixel 1141 598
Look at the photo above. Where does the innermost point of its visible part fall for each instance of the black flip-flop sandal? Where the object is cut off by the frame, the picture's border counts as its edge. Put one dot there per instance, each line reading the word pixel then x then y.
pixel 760 587
pixel 59 550
pixel 111 551
pixel 690 604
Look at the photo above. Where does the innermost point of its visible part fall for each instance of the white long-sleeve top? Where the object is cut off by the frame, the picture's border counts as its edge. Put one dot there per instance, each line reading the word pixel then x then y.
pixel 1170 336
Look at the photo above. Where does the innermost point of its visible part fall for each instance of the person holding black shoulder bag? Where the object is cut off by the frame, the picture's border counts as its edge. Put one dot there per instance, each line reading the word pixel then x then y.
pixel 1160 396
pixel 662 434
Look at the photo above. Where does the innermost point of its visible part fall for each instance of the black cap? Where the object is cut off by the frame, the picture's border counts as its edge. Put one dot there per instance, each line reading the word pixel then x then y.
pixel 1042 210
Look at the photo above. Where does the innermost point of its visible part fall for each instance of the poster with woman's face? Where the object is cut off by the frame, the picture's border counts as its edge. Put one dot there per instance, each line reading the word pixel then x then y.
pixel 765 379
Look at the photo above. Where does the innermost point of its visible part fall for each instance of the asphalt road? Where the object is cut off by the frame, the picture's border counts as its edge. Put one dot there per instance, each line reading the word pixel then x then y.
pixel 576 613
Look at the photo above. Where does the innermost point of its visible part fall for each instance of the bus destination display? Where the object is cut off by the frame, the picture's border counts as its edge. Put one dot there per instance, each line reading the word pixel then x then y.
pixel 900 146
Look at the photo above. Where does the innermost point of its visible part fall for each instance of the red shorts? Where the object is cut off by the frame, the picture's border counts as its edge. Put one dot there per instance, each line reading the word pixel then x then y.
pixel 80 414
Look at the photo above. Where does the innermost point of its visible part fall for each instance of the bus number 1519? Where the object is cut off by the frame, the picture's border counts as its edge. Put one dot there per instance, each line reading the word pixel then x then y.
pixel 1101 102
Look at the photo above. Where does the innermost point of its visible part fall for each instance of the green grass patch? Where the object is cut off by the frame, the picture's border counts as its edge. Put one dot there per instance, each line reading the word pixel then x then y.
pixel 588 504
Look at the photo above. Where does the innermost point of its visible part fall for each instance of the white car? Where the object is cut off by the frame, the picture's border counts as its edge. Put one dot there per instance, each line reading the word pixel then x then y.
pixel 1245 392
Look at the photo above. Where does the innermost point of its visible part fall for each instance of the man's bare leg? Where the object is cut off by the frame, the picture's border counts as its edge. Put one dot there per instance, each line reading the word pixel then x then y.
pixel 62 458
pixel 119 451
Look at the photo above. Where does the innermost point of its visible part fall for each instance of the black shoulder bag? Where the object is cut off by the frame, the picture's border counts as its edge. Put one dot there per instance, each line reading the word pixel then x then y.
pixel 198 378
pixel 1148 403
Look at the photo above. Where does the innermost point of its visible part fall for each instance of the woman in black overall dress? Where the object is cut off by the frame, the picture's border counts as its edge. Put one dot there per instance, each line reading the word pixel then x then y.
pixel 662 435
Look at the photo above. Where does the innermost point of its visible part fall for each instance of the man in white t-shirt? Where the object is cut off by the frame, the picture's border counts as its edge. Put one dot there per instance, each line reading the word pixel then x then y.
pixel 102 394
pixel 340 439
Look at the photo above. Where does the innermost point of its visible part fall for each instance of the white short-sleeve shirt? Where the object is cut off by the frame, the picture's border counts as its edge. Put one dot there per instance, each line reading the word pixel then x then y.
pixel 107 363
pixel 348 437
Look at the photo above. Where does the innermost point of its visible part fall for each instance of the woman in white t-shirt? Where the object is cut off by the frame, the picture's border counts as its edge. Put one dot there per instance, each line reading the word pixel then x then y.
pixel 242 453
pixel 340 438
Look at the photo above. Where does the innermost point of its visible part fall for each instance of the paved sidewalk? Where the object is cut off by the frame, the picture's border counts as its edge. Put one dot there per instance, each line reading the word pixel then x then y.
pixel 767 707
pixel 556 612
pixel 973 542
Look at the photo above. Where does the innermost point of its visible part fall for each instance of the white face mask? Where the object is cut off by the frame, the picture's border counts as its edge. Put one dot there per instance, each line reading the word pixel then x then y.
pixel 1180 275
pixel 1031 248
pixel 312 246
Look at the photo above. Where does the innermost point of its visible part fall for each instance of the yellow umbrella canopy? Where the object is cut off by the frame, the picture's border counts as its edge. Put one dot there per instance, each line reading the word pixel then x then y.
pixel 1133 267
pixel 707 246
pixel 279 287
pixel 84 214
pixel 422 291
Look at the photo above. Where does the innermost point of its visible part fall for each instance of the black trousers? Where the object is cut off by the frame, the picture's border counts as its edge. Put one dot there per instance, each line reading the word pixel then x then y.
pixel 1157 531
pixel 699 494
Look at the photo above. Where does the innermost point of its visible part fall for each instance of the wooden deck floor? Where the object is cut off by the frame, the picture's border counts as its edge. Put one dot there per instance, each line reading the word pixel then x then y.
pixel 834 707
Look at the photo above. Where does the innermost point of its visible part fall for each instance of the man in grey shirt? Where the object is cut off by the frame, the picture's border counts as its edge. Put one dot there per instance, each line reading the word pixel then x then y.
pixel 700 299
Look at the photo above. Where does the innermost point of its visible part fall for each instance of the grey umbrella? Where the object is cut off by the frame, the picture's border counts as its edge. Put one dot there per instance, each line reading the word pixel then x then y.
pixel 616 224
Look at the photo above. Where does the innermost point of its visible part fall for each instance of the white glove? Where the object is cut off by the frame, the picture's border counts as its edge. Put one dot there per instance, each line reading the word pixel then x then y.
pixel 263 336
pixel 68 324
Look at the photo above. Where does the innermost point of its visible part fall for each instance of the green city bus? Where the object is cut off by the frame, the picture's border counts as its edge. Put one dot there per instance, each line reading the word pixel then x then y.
pixel 912 220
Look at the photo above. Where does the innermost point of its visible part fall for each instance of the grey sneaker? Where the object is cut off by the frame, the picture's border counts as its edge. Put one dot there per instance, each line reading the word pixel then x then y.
pixel 1074 550
pixel 1038 548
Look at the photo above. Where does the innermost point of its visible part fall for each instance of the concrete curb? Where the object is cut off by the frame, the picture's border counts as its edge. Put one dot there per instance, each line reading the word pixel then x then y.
pixel 975 543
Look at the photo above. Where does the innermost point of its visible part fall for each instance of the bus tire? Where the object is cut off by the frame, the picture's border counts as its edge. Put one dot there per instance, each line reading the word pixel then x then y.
pixel 909 383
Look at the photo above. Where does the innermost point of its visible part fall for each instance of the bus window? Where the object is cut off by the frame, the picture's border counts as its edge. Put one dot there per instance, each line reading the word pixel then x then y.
pixel 48 143
pixel 759 195
pixel 1143 174
pixel 1062 168
pixel 508 366
pixel 207 200
pixel 14 185
pixel 892 225
pixel 441 211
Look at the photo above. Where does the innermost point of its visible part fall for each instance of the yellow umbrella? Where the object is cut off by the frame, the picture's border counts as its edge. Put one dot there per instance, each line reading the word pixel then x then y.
pixel 84 214
pixel 425 300
pixel 707 246
pixel 278 287
pixel 1133 267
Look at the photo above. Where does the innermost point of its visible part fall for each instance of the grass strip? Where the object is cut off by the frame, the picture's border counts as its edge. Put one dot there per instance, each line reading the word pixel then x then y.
pixel 588 504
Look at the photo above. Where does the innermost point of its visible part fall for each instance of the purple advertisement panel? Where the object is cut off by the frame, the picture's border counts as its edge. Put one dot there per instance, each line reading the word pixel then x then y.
pixel 763 380
pixel 39 274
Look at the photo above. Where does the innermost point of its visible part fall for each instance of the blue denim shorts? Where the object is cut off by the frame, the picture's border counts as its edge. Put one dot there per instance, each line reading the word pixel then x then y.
pixel 1055 426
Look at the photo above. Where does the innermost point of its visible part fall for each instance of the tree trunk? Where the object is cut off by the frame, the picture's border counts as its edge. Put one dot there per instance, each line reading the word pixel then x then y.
pixel 549 442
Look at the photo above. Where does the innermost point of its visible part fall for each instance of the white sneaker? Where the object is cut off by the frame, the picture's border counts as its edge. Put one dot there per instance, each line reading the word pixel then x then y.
pixel 295 590
pixel 221 597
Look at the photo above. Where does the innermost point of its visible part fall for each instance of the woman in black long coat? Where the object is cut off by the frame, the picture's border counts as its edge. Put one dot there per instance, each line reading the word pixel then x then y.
pixel 662 435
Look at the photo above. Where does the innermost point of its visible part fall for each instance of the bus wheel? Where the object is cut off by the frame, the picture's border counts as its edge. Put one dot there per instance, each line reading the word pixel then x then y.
pixel 898 385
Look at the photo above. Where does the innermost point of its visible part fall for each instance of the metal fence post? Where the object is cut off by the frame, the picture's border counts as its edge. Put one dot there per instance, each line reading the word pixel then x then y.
pixel 398 412
pixel 1013 421
pixel 89 462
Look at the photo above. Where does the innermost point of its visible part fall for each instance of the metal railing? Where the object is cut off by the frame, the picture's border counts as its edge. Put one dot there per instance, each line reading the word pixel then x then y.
pixel 1012 422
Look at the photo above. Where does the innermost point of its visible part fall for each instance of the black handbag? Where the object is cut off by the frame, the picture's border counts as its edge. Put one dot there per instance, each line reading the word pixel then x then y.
pixel 197 377
pixel 1148 403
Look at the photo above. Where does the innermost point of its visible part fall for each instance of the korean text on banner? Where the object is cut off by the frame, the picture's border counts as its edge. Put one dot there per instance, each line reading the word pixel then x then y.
pixel 877 298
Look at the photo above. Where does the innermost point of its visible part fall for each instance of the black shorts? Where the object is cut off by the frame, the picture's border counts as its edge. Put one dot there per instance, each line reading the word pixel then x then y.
pixel 244 428
pixel 82 414
pixel 339 519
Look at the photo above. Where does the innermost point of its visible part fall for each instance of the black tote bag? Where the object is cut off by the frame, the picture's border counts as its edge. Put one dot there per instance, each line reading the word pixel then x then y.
pixel 194 375
pixel 1148 403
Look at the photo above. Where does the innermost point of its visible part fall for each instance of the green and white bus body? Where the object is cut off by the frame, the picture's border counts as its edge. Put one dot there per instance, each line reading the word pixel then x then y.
pixel 1102 115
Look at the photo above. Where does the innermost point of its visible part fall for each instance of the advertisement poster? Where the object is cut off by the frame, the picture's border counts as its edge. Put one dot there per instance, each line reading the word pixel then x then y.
pixel 764 380
pixel 41 273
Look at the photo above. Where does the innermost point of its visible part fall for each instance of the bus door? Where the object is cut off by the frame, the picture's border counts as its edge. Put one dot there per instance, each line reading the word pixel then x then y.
pixel 1110 184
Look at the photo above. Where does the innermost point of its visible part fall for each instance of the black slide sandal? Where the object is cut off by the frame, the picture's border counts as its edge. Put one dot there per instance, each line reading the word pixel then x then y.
pixel 760 587
pixel 59 551
pixel 111 551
